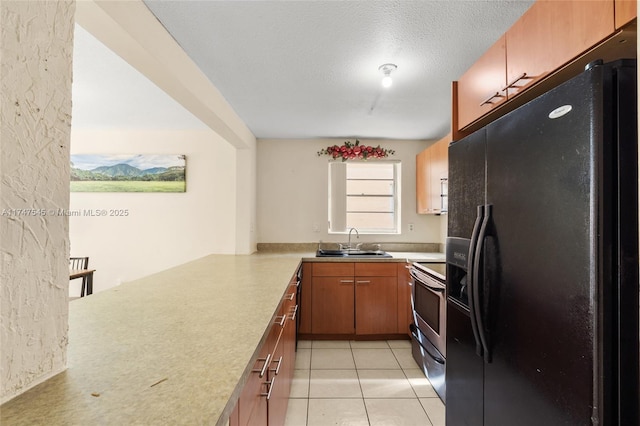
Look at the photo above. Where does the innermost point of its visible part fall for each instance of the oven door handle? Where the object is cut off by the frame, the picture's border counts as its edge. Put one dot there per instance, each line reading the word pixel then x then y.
pixel 421 281
pixel 414 332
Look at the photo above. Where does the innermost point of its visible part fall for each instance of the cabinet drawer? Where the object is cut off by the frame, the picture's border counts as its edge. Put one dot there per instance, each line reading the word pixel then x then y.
pixel 381 269
pixel 333 269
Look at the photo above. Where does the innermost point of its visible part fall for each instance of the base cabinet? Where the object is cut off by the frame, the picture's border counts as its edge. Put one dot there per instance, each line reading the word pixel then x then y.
pixel 265 395
pixel 352 299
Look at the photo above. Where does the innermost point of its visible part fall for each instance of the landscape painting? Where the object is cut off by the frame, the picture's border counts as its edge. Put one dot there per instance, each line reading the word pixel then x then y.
pixel 128 173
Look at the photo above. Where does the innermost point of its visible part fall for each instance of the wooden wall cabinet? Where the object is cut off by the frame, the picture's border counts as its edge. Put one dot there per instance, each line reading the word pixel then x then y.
pixel 481 88
pixel 552 33
pixel 432 166
pixel 551 42
pixel 625 12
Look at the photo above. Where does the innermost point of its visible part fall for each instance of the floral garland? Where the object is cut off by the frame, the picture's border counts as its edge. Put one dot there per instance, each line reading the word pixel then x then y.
pixel 352 151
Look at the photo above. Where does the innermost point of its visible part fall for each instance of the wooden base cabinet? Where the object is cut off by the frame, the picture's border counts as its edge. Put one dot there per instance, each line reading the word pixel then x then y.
pixel 265 395
pixel 353 299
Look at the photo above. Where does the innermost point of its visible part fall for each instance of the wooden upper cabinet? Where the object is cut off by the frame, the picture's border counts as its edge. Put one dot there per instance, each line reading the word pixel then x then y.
pixel 432 166
pixel 480 89
pixel 625 12
pixel 552 33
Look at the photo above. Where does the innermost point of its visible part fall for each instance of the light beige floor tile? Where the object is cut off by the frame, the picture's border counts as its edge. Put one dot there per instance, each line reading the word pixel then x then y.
pixel 375 358
pixel 304 344
pixel 435 410
pixel 300 384
pixel 396 412
pixel 334 384
pixel 385 384
pixel 420 384
pixel 343 412
pixel 369 344
pixel 399 343
pixel 405 357
pixel 303 359
pixel 330 344
pixel 332 359
pixel 296 412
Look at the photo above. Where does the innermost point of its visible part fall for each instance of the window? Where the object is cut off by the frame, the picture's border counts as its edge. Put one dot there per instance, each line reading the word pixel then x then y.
pixel 365 196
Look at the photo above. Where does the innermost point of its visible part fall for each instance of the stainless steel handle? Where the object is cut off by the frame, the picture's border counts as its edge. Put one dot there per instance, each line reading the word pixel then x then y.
pixel 269 383
pixel 277 369
pixel 512 85
pixel 488 100
pixel 363 282
pixel 295 312
pixel 290 296
pixel 264 367
pixel 280 322
pixel 346 281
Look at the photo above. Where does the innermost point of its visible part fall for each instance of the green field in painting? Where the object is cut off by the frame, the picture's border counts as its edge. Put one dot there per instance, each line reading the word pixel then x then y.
pixel 128 186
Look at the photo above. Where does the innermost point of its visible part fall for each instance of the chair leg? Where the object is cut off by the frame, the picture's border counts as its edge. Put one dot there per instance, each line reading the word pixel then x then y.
pixel 84 285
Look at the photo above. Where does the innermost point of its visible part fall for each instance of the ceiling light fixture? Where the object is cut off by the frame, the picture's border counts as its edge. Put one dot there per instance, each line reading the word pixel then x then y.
pixel 386 70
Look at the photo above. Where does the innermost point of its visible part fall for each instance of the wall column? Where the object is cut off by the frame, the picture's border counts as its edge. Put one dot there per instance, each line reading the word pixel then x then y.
pixel 36 51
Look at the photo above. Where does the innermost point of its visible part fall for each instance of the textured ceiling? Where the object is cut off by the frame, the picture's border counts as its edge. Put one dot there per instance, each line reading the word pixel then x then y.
pixel 303 69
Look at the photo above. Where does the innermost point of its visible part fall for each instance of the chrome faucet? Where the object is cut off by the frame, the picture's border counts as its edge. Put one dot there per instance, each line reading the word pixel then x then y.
pixel 357 236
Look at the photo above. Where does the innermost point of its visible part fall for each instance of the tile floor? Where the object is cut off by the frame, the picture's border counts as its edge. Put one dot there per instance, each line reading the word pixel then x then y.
pixel 351 383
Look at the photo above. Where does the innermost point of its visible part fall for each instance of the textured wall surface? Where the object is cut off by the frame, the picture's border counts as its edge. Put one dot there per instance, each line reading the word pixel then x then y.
pixel 35 118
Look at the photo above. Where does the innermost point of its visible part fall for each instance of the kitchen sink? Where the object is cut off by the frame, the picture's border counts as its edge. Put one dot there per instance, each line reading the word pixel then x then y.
pixel 352 253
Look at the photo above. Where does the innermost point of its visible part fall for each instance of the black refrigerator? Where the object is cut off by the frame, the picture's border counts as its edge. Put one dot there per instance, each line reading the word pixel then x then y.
pixel 542 260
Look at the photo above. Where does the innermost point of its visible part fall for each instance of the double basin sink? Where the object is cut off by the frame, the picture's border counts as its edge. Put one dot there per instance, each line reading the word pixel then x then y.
pixel 355 253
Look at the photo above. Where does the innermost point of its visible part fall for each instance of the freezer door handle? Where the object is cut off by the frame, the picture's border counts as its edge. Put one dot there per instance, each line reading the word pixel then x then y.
pixel 471 278
pixel 477 282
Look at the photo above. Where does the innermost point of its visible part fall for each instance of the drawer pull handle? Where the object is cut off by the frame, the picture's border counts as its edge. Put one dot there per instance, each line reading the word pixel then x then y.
pixel 277 369
pixel 280 321
pixel 512 85
pixel 345 281
pixel 290 296
pixel 269 383
pixel 363 282
pixel 489 100
pixel 264 367
pixel 294 313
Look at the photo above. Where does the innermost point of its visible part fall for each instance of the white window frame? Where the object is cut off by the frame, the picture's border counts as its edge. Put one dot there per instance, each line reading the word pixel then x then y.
pixel 337 200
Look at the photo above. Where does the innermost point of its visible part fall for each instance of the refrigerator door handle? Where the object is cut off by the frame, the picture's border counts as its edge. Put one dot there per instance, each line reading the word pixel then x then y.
pixel 471 278
pixel 477 282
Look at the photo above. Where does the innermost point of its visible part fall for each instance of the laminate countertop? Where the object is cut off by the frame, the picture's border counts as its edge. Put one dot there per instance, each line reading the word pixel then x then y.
pixel 172 348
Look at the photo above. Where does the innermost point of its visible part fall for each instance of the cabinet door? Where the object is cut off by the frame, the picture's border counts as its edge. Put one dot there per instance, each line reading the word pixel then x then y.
pixel 333 305
pixel 480 89
pixel 305 299
pixel 626 11
pixel 422 182
pixel 431 168
pixel 404 298
pixel 552 33
pixel 376 305
pixel 278 389
pixel 438 172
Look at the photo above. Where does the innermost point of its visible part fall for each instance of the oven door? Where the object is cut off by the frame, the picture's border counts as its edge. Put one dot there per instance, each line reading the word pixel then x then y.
pixel 428 301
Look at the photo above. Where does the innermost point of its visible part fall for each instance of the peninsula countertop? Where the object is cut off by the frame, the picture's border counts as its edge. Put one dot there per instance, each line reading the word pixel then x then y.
pixel 171 348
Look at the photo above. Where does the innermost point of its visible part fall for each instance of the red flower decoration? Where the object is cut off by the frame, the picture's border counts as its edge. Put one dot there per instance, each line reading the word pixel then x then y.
pixel 353 151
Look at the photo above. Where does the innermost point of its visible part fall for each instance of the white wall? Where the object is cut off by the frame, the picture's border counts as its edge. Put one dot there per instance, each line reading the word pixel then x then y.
pixel 35 111
pixel 162 229
pixel 292 193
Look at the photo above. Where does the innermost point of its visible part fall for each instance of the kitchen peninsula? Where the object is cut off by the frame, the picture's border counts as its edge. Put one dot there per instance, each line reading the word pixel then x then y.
pixel 174 347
